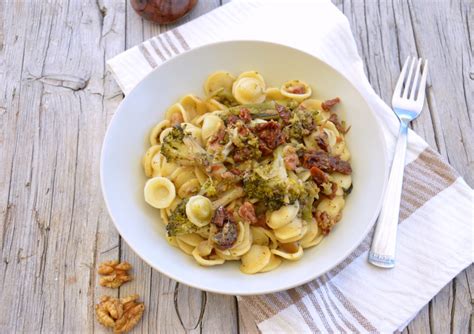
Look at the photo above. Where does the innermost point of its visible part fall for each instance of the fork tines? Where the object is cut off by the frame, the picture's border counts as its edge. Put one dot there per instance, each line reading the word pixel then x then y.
pixel 410 86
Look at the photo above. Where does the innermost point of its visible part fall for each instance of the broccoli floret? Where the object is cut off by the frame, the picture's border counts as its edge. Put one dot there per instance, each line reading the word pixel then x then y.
pixel 209 189
pixel 295 189
pixel 246 143
pixel 178 222
pixel 225 97
pixel 173 147
pixel 302 123
pixel 271 185
pixel 182 148
pixel 272 191
pixel 310 194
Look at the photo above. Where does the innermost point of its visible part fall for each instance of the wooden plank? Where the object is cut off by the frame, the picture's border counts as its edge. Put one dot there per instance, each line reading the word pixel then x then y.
pixel 441 309
pixel 111 15
pixel 220 312
pixel 56 227
pixel 470 281
pixel 462 304
pixel 450 75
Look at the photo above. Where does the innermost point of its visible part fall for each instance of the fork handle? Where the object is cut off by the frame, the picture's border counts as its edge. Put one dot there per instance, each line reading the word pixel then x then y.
pixel 382 252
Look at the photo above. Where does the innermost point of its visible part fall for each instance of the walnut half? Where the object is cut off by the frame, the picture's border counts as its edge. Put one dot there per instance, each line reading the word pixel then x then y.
pixel 120 314
pixel 114 274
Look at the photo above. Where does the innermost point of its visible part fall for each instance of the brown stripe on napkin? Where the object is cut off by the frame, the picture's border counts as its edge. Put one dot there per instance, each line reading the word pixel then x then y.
pixel 328 310
pixel 303 310
pixel 156 48
pixel 180 38
pixel 346 322
pixel 147 55
pixel 424 178
pixel 308 292
pixel 267 305
pixel 363 321
pixel 171 44
pixel 167 51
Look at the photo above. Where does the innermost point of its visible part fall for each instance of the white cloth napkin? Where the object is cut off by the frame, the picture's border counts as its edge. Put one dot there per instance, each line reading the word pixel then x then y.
pixel 435 239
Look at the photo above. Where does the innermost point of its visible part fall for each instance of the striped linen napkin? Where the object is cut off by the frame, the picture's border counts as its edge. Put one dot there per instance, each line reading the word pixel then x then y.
pixel 435 233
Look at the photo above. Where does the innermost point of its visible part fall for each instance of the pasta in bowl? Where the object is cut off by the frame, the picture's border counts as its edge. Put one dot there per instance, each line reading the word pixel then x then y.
pixel 150 112
pixel 248 173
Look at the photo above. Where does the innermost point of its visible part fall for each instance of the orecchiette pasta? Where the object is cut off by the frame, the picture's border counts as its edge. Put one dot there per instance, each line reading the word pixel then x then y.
pixel 159 192
pixel 164 133
pixel 207 262
pixel 176 114
pixel 255 259
pixel 147 159
pixel 156 165
pixel 193 106
pixel 193 131
pixel 189 188
pixel 283 216
pixel 166 167
pixel 289 256
pixel 211 124
pixel 274 94
pixel 290 230
pixel 296 89
pixel 249 173
pixel 217 82
pixel 249 88
pixel 181 175
pixel 274 262
pixel 336 141
pixel 199 210
pixel 156 131
pixel 316 105
pixel 214 105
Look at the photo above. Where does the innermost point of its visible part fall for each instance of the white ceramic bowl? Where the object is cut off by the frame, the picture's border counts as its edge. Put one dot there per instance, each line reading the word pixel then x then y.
pixel 126 141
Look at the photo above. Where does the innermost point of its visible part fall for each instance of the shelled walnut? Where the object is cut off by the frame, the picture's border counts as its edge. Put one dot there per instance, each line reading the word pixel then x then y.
pixel 114 274
pixel 119 314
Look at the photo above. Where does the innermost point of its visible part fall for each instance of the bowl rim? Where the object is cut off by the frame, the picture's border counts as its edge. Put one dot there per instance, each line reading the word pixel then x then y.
pixel 239 291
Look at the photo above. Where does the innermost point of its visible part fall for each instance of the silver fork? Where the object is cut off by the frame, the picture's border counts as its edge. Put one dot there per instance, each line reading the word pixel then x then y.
pixel 407 102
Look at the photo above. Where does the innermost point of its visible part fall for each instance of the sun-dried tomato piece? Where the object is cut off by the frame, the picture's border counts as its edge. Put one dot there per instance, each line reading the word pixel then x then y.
pixel 326 163
pixel 318 175
pixel 227 236
pixel 227 228
pixel 242 154
pixel 244 114
pixel 232 119
pixel 328 104
pixel 247 212
pixel 218 137
pixel 270 136
pixel 333 118
pixel 290 158
pixel 284 112
pixel 219 216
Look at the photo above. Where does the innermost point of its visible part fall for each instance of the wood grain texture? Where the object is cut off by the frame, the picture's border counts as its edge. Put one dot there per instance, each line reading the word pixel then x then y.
pixel 57 99
pixel 386 33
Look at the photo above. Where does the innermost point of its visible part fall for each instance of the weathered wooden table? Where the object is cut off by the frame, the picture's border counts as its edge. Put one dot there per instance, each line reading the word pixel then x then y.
pixel 57 99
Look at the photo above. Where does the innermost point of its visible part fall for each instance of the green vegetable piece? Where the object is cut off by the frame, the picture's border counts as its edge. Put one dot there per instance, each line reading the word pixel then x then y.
pixel 178 222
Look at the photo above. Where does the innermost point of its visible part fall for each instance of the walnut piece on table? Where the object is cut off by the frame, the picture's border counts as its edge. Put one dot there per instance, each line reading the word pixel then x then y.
pixel 114 273
pixel 119 314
